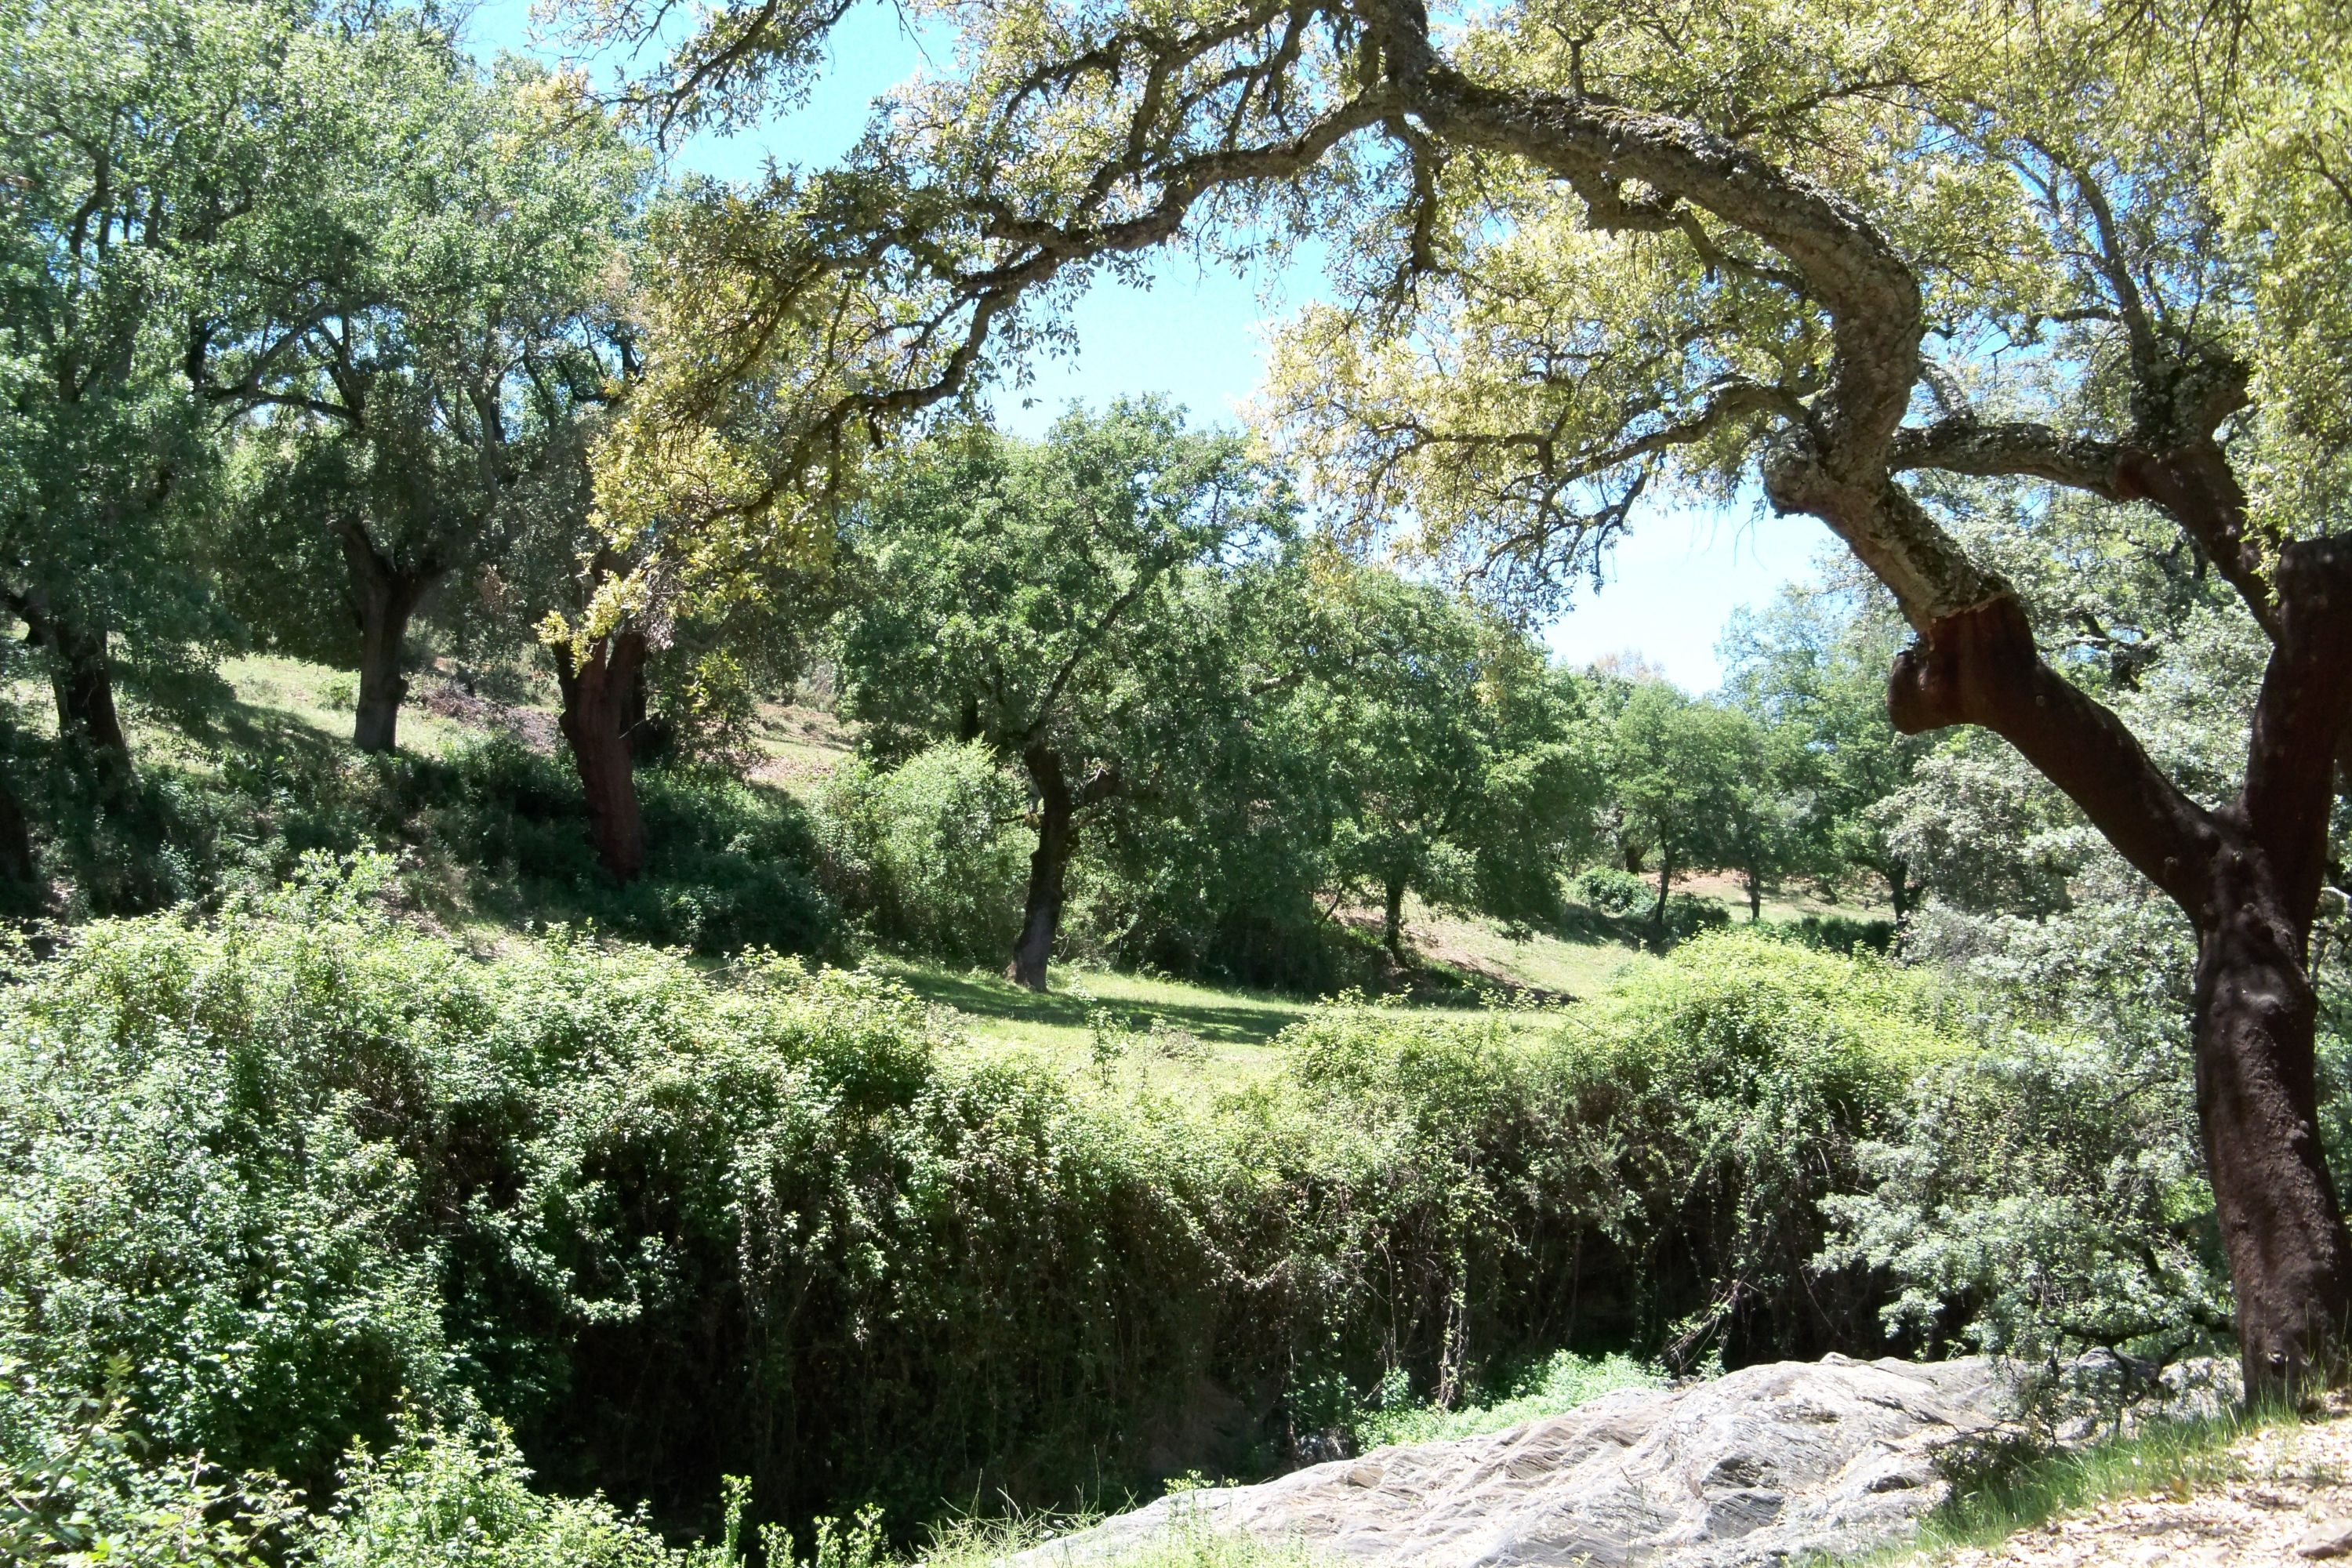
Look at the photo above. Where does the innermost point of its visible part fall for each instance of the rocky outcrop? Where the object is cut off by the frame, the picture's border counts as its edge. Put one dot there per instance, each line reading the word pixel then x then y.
pixel 1767 1464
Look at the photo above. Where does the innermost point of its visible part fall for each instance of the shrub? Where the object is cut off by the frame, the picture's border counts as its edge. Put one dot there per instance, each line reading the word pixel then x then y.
pixel 2036 1199
pixel 286 1176
pixel 1611 890
pixel 1687 914
pixel 1726 1092
pixel 1844 933
pixel 78 1488
pixel 930 852
pixel 438 1500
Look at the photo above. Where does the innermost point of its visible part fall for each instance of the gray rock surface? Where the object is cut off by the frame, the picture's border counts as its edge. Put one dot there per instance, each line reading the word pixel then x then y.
pixel 1767 1464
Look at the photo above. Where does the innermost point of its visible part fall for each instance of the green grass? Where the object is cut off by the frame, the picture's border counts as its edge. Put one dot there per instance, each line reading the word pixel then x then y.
pixel 2173 1458
pixel 1555 1388
pixel 1227 1033
pixel 1157 1025
pixel 321 700
pixel 1542 961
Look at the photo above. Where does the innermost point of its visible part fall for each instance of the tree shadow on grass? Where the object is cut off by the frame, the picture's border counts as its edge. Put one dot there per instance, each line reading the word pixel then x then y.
pixel 981 995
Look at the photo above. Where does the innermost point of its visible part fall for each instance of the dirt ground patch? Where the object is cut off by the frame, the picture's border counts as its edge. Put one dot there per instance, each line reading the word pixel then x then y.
pixel 2290 1503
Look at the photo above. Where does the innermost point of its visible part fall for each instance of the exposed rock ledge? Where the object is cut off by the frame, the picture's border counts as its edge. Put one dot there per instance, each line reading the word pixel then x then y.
pixel 1768 1464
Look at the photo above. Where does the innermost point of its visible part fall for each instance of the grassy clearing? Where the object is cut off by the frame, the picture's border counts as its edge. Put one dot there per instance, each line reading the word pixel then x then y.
pixel 1168 1025
pixel 1577 966
pixel 288 717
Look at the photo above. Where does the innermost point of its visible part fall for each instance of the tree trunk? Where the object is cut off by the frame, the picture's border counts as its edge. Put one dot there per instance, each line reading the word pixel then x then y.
pixel 597 703
pixel 1899 889
pixel 383 597
pixel 2281 1228
pixel 1754 896
pixel 2248 877
pixel 81 678
pixel 1666 876
pixel 1041 917
pixel 1392 921
pixel 16 864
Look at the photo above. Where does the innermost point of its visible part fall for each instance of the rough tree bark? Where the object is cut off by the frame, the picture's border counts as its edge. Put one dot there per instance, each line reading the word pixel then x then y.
pixel 383 597
pixel 16 864
pixel 1393 919
pixel 81 677
pixel 600 694
pixel 1058 804
pixel 2248 877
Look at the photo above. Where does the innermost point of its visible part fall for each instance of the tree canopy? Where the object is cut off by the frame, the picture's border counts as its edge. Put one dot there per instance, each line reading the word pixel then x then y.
pixel 1590 254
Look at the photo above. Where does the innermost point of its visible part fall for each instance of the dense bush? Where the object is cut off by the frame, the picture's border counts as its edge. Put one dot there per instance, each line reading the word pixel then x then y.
pixel 1611 890
pixel 1844 933
pixel 2045 1195
pixel 78 1488
pixel 929 853
pixel 1687 914
pixel 282 1176
pixel 2032 1200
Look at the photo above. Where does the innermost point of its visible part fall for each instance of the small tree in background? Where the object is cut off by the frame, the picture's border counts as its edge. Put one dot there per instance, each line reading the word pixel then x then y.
pixel 1009 590
pixel 1810 669
pixel 1458 752
pixel 1684 773
pixel 437 395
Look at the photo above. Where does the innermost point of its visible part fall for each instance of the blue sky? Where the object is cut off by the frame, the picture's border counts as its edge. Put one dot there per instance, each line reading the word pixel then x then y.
pixel 1198 337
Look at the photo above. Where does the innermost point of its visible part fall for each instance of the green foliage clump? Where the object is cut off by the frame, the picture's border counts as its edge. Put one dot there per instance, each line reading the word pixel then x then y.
pixel 433 1500
pixel 1687 914
pixel 929 853
pixel 1844 933
pixel 1554 1387
pixel 1611 890
pixel 1729 1091
pixel 290 1177
pixel 2032 1200
pixel 77 1486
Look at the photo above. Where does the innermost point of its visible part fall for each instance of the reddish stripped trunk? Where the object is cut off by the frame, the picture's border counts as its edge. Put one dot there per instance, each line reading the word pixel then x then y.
pixel 2248 876
pixel 601 698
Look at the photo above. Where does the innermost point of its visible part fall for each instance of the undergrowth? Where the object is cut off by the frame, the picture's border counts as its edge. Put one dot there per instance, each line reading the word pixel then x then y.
pixel 1554 1387
pixel 1997 1493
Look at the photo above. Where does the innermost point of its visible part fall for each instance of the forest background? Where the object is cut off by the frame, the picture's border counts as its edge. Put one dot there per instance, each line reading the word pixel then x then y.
pixel 573 922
